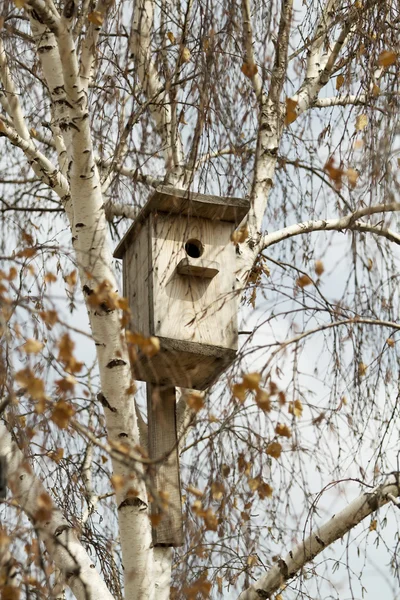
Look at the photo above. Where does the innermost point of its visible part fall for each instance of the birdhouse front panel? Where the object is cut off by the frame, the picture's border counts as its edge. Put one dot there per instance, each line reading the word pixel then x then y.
pixel 193 280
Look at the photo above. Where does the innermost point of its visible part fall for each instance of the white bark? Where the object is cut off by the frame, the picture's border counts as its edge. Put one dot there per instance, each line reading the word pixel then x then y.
pixel 334 529
pixel 94 259
pixel 162 572
pixel 59 537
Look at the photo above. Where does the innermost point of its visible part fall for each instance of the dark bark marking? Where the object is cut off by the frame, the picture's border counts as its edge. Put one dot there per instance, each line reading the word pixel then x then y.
pixel 105 403
pixel 133 502
pixel 115 362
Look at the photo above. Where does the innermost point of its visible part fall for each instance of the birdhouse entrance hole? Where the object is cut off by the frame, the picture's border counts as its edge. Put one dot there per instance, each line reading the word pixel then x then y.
pixel 194 248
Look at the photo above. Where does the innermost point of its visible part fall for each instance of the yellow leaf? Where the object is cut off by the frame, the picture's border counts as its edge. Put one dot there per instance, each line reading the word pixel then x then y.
pixel 185 55
pixel 57 455
pixel 32 346
pixel 45 507
pixel 291 111
pixel 361 122
pixel 62 414
pixel 362 369
pixel 390 342
pixel 352 176
pixel 373 525
pixel 194 491
pixel 339 81
pixel 195 401
pixel 96 18
pixel 239 391
pixel 20 3
pixel 240 235
pixel 387 58
pixel 249 69
pixel 33 385
pixel 171 37
pixel 217 490
pixel 151 347
pixel 254 483
pixel 251 381
pixel 319 267
pixel 370 264
pixel 295 408
pixel 263 400
pixel 50 277
pixel 274 449
pixel 265 491
pixel 117 481
pixel 303 281
pixel 376 90
pixel 283 430
pixel 71 278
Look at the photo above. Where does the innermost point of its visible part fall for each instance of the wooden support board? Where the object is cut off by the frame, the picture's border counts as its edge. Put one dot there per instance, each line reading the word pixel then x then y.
pixel 162 440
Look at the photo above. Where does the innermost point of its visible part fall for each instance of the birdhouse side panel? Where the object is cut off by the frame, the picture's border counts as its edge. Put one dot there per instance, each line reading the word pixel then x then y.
pixel 137 269
pixel 196 303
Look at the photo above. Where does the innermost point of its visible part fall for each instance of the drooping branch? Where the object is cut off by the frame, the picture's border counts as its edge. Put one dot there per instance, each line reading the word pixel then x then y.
pixel 54 530
pixel 324 536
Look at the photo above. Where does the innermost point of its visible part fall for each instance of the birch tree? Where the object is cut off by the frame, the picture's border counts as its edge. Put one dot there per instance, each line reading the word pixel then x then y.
pixel 294 105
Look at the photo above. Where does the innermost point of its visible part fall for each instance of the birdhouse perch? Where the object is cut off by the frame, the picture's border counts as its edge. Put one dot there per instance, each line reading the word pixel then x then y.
pixel 179 278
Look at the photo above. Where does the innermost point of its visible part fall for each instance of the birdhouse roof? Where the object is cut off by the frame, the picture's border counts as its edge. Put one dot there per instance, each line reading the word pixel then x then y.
pixel 170 200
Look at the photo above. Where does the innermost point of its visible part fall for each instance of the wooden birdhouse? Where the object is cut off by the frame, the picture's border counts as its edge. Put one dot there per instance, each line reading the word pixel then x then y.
pixel 179 277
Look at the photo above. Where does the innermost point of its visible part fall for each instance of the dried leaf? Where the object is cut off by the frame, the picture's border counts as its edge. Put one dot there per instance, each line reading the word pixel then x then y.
pixel 251 381
pixel 265 491
pixel 249 69
pixel 295 408
pixel 352 176
pixel 376 90
pixel 334 173
pixel 390 342
pixel 319 267
pixel 34 386
pixel 362 369
pixel 373 525
pixel 361 122
pixel 117 481
pixel 185 55
pixel 45 507
pixel 96 17
pixel 240 235
pixel 291 111
pixel 283 430
pixel 387 58
pixel 171 37
pixel 263 400
pixel 62 414
pixel 239 391
pixel 217 490
pixel 303 281
pixel 339 81
pixel 274 449
pixel 32 346
pixel 195 401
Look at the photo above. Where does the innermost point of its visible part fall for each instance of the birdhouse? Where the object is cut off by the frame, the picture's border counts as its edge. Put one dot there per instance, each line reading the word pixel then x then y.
pixel 179 278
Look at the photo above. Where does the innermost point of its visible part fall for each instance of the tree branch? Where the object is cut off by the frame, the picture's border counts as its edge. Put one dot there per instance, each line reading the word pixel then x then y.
pixel 334 529
pixel 58 535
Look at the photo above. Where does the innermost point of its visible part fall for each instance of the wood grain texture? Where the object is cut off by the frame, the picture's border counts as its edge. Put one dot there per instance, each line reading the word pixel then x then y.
pixel 161 407
pixel 197 267
pixel 193 308
pixel 136 272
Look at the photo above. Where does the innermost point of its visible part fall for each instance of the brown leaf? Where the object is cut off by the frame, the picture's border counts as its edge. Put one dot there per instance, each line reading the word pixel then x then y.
pixel 319 267
pixel 373 525
pixel 295 408
pixel 303 281
pixel 195 401
pixel 263 400
pixel 265 491
pixel 251 381
pixel 62 414
pixel 283 430
pixel 185 55
pixel 339 81
pixel 334 173
pixel 361 122
pixel 249 69
pixel 9 592
pixel 217 490
pixel 45 507
pixel 96 17
pixel 171 37
pixel 352 176
pixel 239 391
pixel 387 58
pixel 362 369
pixel 274 449
pixel 291 111
pixel 32 346
pixel 240 235
pixel 117 481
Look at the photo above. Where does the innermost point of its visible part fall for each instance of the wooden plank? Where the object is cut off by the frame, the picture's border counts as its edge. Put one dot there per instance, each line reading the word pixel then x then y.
pixel 196 267
pixel 136 273
pixel 184 364
pixel 170 200
pixel 163 442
